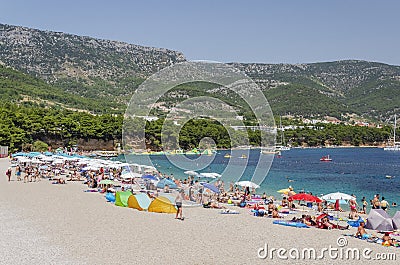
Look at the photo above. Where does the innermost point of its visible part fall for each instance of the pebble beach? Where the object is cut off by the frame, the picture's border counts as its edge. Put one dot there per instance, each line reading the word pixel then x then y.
pixel 61 224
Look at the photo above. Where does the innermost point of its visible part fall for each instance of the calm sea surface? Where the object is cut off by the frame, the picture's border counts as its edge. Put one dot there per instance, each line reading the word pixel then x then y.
pixel 359 171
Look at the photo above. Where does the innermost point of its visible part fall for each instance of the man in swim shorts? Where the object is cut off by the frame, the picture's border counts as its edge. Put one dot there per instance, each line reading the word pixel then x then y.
pixel 178 202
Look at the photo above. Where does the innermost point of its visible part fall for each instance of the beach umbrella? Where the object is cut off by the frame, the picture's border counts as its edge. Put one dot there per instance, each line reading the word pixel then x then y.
pixel 89 168
pixel 247 183
pixel 284 191
pixel 212 175
pixel 19 154
pixel 150 177
pixel 107 182
pixel 342 197
pixel 191 173
pixel 304 197
pixel 162 183
pixel 211 187
pixel 47 158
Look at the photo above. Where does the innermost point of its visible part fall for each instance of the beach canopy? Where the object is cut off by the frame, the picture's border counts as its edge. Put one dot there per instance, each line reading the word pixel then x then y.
pixel 338 196
pixel 139 201
pixel 150 177
pixel 378 219
pixel 107 182
pixel 211 175
pixel 211 187
pixel 162 183
pixel 304 197
pixel 191 173
pixel 396 220
pixel 162 204
pixel 247 183
pixel 110 197
pixel 121 198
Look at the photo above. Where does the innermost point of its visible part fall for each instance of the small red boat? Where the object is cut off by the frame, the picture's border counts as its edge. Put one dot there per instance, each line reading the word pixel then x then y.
pixel 326 159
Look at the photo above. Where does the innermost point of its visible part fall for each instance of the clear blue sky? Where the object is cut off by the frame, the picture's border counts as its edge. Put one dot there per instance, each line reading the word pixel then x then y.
pixel 297 31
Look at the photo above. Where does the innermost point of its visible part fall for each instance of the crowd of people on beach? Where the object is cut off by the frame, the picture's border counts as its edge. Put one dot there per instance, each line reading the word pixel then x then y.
pixel 193 189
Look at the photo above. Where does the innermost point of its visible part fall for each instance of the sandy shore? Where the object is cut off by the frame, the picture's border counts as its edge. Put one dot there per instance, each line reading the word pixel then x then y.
pixel 61 224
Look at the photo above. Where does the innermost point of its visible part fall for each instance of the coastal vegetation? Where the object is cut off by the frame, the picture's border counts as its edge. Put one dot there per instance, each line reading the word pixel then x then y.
pixel 21 126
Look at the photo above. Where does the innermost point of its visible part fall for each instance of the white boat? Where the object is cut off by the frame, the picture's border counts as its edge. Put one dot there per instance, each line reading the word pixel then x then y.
pixel 395 145
pixel 277 149
pixel 106 153
pixel 282 146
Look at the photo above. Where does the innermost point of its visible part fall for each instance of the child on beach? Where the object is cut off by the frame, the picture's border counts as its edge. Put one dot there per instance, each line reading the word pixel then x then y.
pixel 8 173
pixel 361 232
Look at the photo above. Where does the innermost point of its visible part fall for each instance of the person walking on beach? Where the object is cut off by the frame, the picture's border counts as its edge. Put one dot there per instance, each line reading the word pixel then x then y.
pixel 178 202
pixel 8 173
pixel 18 172
pixel 364 205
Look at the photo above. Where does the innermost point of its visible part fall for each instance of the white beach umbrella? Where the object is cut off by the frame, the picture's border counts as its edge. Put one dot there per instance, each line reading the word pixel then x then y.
pixel 191 173
pixel 337 196
pixel 23 159
pixel 247 183
pixel 47 158
pixel 211 175
pixel 58 161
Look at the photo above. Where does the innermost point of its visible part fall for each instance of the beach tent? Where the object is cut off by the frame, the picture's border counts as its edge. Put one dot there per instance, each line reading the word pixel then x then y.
pixel 378 219
pixel 110 197
pixel 121 198
pixel 162 204
pixel 161 184
pixel 139 201
pixel 396 221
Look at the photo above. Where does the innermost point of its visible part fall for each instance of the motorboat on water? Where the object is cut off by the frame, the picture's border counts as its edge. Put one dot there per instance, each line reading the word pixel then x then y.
pixel 325 159
pixel 227 156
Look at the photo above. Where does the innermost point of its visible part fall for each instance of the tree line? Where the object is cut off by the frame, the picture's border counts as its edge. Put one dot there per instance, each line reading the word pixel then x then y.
pixel 20 124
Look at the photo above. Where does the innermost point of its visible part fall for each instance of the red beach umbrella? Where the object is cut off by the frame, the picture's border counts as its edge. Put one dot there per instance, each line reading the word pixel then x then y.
pixel 304 197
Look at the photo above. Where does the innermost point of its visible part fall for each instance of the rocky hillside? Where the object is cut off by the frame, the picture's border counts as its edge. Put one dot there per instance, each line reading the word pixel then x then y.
pixel 368 89
pixel 83 65
pixel 109 71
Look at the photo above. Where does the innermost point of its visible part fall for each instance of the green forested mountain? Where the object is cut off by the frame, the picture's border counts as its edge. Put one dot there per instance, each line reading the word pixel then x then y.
pixel 101 75
pixel 368 89
pixel 17 87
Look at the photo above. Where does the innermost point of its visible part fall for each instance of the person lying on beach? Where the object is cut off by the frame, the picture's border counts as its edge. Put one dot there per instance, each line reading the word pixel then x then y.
pixel 308 220
pixel 326 224
pixel 216 205
pixel 387 240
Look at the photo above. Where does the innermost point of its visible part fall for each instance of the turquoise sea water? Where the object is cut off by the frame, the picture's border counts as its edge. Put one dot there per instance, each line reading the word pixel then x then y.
pixel 359 171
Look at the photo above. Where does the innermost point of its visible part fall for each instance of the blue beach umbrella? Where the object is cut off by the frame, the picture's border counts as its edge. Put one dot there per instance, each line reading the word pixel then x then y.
pixel 161 184
pixel 33 154
pixel 211 187
pixel 150 177
pixel 19 154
